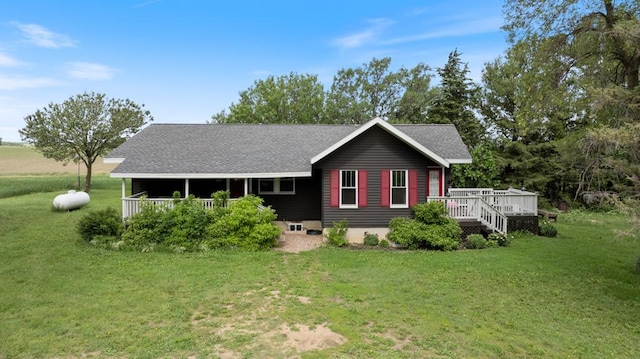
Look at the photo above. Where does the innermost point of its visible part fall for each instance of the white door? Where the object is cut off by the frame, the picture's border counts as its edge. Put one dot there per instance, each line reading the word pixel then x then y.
pixel 435 187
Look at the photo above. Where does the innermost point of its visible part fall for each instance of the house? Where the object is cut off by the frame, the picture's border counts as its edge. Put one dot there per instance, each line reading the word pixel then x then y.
pixel 312 175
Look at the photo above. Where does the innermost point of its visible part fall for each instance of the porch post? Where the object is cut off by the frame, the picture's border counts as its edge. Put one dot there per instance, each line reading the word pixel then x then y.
pixel 186 187
pixel 246 186
pixel 123 204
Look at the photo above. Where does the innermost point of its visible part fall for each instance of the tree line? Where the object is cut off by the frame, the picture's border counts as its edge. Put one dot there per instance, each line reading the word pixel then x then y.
pixel 557 113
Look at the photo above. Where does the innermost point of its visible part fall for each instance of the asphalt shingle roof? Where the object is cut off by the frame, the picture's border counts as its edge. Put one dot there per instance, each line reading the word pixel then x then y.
pixel 200 149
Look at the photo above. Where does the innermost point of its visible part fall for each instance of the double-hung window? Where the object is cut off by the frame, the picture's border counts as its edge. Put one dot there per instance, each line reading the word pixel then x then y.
pixel 348 189
pixel 399 189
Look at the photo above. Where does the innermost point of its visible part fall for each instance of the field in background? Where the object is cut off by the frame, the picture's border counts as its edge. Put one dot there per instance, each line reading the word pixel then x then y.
pixel 24 160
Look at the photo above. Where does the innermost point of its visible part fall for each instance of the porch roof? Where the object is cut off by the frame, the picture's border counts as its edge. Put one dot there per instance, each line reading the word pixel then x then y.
pixel 250 150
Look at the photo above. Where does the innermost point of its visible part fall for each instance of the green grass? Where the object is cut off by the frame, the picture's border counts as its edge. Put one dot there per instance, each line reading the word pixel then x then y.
pixel 17 186
pixel 574 296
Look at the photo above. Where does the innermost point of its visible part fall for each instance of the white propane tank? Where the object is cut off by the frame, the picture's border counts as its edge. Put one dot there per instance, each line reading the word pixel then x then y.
pixel 70 200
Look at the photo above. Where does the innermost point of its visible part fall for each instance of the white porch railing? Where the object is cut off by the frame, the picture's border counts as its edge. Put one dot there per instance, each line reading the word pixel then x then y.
pixel 131 205
pixel 474 208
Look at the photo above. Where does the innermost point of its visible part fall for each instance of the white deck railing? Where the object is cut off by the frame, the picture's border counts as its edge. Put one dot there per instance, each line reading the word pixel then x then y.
pixel 474 208
pixel 510 201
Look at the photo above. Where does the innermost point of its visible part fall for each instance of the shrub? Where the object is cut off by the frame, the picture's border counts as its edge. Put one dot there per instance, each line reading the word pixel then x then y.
pixel 431 213
pixel 492 244
pixel 502 239
pixel 476 241
pixel 371 239
pixel 415 234
pixel 106 222
pixel 384 243
pixel 403 231
pixel 189 220
pixel 188 226
pixel 548 230
pixel 243 224
pixel 147 228
pixel 337 234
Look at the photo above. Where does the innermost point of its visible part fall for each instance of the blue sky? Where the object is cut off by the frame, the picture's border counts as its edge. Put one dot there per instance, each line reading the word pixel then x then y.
pixel 188 59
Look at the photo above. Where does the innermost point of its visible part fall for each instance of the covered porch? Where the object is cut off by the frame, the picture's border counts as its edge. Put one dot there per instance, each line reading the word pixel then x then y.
pixel 160 192
pixel 294 198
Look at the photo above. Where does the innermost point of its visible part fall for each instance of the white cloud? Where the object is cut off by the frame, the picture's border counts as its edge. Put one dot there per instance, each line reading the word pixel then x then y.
pixel 365 36
pixel 40 36
pixel 463 28
pixel 90 71
pixel 20 82
pixel 8 61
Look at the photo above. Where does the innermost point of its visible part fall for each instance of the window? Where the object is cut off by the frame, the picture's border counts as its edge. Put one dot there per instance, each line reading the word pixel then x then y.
pixel 399 189
pixel 348 189
pixel 266 185
pixel 277 185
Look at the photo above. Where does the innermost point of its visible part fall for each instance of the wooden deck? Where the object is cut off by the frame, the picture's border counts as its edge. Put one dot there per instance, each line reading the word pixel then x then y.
pixel 491 208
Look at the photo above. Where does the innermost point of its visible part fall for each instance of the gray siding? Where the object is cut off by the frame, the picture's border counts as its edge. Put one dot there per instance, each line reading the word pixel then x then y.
pixel 374 151
pixel 303 205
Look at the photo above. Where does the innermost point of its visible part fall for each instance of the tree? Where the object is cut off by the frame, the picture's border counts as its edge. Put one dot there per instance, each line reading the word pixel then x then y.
pixel 594 42
pixel 481 173
pixel 417 96
pixel 292 98
pixel 525 99
pixel 83 128
pixel 457 100
pixel 373 90
pixel 587 30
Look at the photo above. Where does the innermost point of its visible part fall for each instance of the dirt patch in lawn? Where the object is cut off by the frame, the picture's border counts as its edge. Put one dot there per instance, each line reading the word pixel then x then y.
pixel 303 338
pixel 254 325
pixel 295 243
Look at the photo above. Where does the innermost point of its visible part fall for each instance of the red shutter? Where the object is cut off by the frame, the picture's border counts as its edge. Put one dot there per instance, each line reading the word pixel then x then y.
pixel 385 188
pixel 334 184
pixel 413 187
pixel 362 188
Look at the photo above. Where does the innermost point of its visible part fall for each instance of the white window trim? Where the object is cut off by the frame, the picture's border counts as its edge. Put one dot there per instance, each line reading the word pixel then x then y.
pixel 406 189
pixel 356 188
pixel 276 187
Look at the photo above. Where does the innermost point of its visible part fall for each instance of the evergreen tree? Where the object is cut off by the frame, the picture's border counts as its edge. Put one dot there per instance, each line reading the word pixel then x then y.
pixel 457 101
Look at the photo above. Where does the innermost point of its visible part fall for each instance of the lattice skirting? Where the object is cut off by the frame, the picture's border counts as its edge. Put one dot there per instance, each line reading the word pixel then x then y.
pixel 470 227
pixel 523 223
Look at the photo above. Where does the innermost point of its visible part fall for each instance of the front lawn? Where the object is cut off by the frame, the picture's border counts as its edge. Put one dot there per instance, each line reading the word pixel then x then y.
pixel 574 296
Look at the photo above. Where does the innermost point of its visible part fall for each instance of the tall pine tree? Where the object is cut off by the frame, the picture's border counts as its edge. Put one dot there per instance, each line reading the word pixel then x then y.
pixel 457 101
